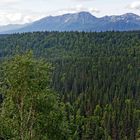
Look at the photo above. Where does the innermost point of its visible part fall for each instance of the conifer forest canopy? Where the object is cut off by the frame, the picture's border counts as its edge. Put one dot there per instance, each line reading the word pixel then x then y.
pixel 70 86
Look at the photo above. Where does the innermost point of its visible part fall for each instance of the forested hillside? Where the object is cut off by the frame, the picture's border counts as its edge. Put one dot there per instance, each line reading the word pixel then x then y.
pixel 92 80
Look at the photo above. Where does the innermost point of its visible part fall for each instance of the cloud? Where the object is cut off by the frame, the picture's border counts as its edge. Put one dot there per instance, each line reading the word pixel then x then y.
pixel 78 8
pixel 3 2
pixel 6 17
pixel 83 0
pixel 14 15
pixel 134 5
pixel 10 13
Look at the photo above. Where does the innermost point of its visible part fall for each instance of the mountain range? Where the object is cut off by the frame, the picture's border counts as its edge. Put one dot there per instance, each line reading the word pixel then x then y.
pixel 82 21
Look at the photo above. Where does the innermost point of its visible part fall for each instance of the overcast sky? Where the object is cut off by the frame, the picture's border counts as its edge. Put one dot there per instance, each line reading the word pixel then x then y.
pixel 24 11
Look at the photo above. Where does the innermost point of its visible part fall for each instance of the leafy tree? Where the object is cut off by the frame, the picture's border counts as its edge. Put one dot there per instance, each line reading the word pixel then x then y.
pixel 29 107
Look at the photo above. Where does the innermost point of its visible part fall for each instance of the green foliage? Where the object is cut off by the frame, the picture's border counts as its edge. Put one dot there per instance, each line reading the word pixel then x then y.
pixel 97 76
pixel 30 110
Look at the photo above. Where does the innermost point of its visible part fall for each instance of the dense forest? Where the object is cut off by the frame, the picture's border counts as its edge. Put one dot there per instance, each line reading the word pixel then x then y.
pixel 70 86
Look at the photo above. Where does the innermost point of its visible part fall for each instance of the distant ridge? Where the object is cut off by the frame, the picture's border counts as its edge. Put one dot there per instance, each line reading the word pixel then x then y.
pixel 82 21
